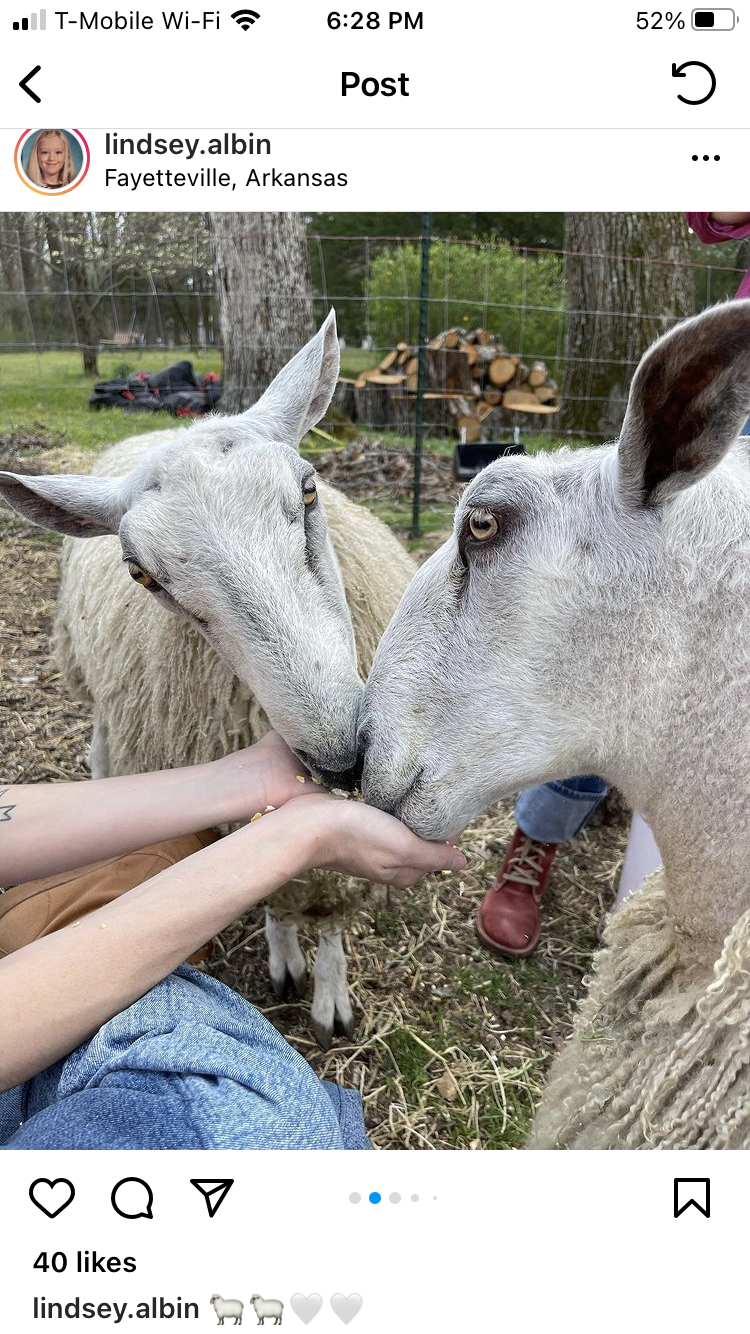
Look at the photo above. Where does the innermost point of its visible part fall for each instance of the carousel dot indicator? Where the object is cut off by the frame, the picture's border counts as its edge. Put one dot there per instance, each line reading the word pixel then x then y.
pixel 374 1197
pixel 414 1199
pixel 394 1197
pixel 355 1197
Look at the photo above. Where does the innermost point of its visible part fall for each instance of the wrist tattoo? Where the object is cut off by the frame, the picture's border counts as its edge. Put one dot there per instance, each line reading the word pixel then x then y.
pixel 5 811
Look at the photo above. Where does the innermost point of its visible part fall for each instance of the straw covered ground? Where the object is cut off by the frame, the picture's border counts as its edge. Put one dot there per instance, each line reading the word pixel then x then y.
pixel 452 1043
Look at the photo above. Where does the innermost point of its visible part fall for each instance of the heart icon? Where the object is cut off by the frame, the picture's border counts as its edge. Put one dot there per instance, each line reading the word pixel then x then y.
pixel 306 1307
pixel 346 1307
pixel 52 1196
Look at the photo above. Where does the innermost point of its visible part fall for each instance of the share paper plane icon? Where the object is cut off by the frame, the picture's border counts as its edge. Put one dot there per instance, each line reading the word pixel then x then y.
pixel 213 1192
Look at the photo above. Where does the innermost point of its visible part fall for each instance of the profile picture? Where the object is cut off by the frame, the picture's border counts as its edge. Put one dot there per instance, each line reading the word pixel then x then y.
pixel 53 161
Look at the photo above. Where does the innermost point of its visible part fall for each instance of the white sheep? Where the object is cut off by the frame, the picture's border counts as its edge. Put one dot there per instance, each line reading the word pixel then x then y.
pixel 224 524
pixel 267 1307
pixel 225 1308
pixel 590 615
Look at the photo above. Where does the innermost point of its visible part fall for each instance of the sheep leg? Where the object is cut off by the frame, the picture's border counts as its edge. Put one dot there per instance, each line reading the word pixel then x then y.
pixel 286 962
pixel 331 1008
pixel 99 763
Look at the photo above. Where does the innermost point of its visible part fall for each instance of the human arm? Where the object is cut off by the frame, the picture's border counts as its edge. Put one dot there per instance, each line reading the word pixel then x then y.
pixel 731 219
pixel 56 992
pixel 46 828
pixel 712 228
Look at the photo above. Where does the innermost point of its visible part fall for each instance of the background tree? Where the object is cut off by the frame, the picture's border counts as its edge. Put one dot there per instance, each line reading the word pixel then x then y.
pixel 628 280
pixel 265 300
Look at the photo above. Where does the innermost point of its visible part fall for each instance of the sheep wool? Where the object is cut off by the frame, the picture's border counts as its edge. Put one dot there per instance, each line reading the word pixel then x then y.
pixel 659 1057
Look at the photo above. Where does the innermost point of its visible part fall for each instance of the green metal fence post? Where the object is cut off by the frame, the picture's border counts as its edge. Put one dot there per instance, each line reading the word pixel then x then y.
pixel 424 294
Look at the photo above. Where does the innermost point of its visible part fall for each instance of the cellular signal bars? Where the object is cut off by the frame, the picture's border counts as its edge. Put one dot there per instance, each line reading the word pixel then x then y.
pixel 31 24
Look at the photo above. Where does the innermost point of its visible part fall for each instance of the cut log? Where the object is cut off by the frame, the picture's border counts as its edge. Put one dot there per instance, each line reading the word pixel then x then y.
pixel 469 428
pixel 388 361
pixel 501 371
pixel 486 354
pixel 343 397
pixel 470 352
pixel 521 400
pixel 484 410
pixel 379 377
pixel 537 375
pixel 374 406
pixel 447 369
pixel 412 366
pixel 412 382
pixel 547 393
pixel 452 338
pixel 494 397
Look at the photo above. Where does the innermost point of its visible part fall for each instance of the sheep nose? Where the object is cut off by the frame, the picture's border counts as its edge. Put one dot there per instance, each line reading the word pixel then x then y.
pixel 349 779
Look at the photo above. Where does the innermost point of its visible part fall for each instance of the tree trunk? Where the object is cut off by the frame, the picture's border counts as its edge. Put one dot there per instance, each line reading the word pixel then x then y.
pixel 71 256
pixel 265 301
pixel 629 280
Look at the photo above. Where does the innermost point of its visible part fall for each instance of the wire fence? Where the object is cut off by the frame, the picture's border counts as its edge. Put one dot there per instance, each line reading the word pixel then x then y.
pixel 105 298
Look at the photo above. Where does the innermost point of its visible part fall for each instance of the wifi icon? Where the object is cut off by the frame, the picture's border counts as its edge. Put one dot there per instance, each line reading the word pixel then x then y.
pixel 246 18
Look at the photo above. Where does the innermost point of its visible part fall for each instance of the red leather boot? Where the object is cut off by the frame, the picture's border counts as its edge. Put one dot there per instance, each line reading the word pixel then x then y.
pixel 509 918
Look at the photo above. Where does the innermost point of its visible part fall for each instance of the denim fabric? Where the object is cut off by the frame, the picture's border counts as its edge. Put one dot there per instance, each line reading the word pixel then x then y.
pixel 746 428
pixel 554 812
pixel 189 1066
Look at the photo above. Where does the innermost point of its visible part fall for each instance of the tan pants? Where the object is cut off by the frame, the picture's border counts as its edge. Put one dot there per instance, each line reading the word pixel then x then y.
pixel 39 907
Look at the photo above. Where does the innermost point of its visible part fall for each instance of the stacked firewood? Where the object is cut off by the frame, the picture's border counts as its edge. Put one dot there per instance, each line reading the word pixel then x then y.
pixel 467 376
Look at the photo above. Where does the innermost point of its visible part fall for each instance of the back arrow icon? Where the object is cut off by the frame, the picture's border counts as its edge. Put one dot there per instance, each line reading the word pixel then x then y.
pixel 24 83
pixel 678 72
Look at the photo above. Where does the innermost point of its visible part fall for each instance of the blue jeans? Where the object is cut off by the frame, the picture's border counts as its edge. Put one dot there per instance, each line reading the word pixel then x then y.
pixel 746 428
pixel 189 1066
pixel 554 812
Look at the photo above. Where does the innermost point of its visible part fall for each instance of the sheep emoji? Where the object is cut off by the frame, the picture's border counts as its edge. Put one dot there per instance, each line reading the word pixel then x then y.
pixel 267 1306
pixel 224 1307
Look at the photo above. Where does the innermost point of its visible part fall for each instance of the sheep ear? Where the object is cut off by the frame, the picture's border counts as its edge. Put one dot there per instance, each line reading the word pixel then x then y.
pixel 79 506
pixel 688 401
pixel 301 392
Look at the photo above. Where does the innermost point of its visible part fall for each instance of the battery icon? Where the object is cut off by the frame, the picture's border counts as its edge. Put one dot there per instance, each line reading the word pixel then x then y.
pixel 714 20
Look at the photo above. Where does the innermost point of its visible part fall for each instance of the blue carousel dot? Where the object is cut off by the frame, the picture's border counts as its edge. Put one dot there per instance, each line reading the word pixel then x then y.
pixel 374 1197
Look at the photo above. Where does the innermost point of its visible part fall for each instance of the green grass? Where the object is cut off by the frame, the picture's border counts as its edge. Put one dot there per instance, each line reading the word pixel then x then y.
pixel 51 388
pixel 357 359
pixel 436 518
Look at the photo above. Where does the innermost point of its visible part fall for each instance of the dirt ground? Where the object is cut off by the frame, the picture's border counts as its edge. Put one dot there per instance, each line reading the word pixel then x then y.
pixel 452 1042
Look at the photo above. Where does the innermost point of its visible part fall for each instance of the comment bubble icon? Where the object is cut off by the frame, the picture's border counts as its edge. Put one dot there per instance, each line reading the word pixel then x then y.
pixel 133 1198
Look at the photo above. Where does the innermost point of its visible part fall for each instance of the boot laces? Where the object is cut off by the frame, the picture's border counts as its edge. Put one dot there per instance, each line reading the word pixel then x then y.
pixel 525 867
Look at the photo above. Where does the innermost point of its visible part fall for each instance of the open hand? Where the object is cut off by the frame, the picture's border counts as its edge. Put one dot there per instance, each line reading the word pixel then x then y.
pixel 356 839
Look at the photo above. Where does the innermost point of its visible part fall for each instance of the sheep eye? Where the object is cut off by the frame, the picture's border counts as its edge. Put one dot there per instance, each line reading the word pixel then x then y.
pixel 309 491
pixel 142 576
pixel 483 525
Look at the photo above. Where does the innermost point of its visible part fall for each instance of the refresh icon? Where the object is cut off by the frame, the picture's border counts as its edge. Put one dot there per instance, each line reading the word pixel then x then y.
pixel 679 72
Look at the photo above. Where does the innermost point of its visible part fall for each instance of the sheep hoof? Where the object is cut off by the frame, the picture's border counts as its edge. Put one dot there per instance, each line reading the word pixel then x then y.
pixel 345 1026
pixel 323 1033
pixel 287 986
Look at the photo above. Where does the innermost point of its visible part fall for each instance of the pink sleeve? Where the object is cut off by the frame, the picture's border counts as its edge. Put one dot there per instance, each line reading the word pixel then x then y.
pixel 709 231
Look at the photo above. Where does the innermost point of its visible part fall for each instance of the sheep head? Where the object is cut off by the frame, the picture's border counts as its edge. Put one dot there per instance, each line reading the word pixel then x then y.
pixel 225 525
pixel 582 597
